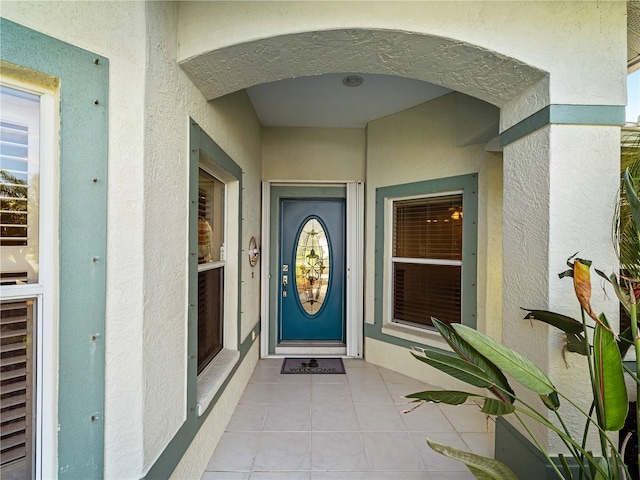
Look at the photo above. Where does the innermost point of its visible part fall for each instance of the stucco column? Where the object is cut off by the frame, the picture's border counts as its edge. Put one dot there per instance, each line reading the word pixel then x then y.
pixel 560 187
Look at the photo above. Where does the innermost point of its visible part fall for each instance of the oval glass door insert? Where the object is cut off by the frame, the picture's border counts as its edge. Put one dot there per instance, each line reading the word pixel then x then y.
pixel 312 266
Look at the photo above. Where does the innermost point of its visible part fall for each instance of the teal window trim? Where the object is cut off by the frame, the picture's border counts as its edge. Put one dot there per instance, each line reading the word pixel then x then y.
pixel 83 91
pixel 468 184
pixel 604 115
pixel 201 142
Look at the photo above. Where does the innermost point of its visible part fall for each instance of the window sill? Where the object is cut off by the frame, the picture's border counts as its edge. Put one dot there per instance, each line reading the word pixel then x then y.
pixel 416 335
pixel 213 376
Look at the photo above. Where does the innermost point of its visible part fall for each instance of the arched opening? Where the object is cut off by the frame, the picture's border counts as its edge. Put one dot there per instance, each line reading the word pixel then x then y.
pixel 457 65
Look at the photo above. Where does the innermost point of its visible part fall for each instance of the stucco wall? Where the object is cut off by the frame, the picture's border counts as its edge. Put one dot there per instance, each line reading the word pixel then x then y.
pixel 150 102
pixel 570 40
pixel 420 144
pixel 563 186
pixel 313 154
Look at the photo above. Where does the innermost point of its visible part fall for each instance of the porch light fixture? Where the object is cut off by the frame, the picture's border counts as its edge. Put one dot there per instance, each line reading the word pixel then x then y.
pixel 254 251
pixel 352 81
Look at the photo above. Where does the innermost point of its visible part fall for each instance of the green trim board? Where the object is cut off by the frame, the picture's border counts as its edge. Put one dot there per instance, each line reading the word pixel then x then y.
pixel 83 91
pixel 276 194
pixel 199 142
pixel 613 115
pixel 469 185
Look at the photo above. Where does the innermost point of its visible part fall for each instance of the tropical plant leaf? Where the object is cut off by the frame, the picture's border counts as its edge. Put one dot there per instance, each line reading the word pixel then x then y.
pixel 511 362
pixel 605 466
pixel 454 366
pixel 502 390
pixel 564 323
pixel 497 407
pixel 565 466
pixel 576 343
pixel 450 397
pixel 609 375
pixel 482 468
pixel 622 293
pixel 632 197
pixel 551 401
pixel 625 341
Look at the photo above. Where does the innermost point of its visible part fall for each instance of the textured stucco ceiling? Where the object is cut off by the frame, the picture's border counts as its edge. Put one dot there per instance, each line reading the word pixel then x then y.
pixel 633 35
pixel 452 64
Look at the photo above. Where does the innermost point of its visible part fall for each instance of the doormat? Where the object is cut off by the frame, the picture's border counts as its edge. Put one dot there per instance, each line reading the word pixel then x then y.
pixel 312 365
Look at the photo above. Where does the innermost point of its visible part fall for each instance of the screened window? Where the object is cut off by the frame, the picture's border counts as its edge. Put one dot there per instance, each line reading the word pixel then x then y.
pixel 19 271
pixel 426 259
pixel 211 267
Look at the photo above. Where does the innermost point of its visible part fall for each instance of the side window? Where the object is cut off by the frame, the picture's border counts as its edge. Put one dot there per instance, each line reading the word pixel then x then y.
pixel 426 259
pixel 21 293
pixel 211 267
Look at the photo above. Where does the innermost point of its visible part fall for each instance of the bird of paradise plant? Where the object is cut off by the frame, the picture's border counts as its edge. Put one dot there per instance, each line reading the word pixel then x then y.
pixel 480 361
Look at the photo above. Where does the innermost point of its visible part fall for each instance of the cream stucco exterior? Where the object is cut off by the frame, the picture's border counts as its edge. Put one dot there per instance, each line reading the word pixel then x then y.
pixel 548 195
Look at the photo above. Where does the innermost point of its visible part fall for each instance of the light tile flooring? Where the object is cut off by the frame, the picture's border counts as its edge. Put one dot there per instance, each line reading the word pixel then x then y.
pixel 343 427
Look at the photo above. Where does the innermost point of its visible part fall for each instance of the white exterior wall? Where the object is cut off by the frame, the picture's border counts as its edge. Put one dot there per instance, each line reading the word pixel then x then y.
pixel 416 145
pixel 529 31
pixel 150 102
pixel 313 154
pixel 561 184
pixel 123 43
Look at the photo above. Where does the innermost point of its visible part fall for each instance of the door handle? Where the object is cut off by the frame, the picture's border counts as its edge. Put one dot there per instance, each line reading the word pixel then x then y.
pixel 285 282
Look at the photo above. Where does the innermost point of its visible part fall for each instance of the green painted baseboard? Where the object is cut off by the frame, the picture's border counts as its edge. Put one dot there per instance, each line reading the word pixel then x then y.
pixel 525 460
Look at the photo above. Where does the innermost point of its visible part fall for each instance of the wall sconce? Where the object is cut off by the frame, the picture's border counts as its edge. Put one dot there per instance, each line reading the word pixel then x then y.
pixel 254 251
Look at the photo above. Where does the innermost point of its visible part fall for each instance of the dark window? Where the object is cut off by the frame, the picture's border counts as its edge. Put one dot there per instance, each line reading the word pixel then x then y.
pixel 211 266
pixel 427 259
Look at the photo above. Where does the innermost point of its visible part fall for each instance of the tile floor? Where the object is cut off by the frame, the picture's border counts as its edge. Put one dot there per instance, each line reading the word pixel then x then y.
pixel 343 427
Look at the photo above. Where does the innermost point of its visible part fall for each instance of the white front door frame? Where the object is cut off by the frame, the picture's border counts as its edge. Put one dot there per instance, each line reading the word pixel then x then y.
pixel 354 268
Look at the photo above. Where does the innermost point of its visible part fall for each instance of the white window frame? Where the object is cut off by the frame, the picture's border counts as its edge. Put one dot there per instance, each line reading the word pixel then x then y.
pixel 45 292
pixel 218 264
pixel 212 377
pixel 390 260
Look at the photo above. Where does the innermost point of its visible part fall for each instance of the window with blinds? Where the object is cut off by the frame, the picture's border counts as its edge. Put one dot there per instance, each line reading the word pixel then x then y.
pixel 211 266
pixel 19 269
pixel 16 392
pixel 427 259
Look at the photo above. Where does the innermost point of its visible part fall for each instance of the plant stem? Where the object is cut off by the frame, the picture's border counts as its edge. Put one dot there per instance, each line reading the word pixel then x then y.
pixel 543 450
pixel 596 397
pixel 543 421
pixel 633 313
pixel 586 433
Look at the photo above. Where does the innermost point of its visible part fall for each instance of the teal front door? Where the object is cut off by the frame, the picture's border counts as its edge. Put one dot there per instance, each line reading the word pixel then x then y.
pixel 312 270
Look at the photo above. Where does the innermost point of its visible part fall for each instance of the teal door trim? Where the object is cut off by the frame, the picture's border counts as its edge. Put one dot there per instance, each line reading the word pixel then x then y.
pixel 277 193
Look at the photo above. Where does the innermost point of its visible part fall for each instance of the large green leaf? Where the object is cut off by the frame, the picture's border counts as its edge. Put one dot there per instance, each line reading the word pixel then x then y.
pixel 564 323
pixel 482 468
pixel 551 401
pixel 450 397
pixel 609 374
pixel 576 343
pixel 497 407
pixel 502 390
pixel 511 362
pixel 457 368
pixel 632 197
